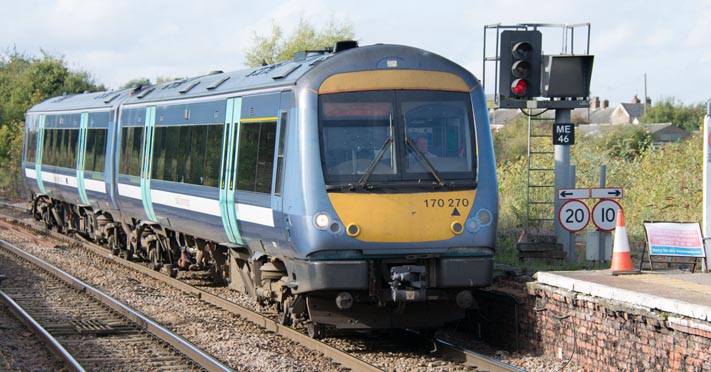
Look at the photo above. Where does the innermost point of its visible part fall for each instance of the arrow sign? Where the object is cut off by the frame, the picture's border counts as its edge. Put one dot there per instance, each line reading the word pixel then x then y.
pixel 564 194
pixel 607 193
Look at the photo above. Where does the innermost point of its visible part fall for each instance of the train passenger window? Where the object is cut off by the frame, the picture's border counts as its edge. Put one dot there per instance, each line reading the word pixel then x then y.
pixel 95 150
pixel 48 146
pixel 255 159
pixel 67 149
pixel 187 154
pixel 280 155
pixel 31 148
pixel 213 155
pixel 131 151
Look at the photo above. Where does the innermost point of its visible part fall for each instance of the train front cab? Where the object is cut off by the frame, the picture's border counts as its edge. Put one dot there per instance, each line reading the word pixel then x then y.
pixel 409 231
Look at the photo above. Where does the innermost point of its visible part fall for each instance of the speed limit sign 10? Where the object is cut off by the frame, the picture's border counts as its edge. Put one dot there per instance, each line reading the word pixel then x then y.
pixel 574 215
pixel 605 214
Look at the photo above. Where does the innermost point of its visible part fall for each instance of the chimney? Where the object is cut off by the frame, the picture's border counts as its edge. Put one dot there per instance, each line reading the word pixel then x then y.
pixel 635 99
pixel 605 103
pixel 595 102
pixel 648 102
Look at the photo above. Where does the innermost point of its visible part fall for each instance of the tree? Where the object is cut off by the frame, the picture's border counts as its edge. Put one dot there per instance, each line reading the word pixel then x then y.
pixel 275 47
pixel 667 110
pixel 24 82
pixel 136 83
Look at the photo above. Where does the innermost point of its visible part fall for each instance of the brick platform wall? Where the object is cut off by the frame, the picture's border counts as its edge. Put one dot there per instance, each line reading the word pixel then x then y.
pixel 601 335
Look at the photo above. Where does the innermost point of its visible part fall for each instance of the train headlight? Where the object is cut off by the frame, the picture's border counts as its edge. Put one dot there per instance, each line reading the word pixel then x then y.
pixel 483 218
pixel 472 225
pixel 456 227
pixel 353 230
pixel 322 220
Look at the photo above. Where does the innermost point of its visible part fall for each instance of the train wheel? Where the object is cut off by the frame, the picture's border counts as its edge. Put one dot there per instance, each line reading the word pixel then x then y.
pixel 47 220
pixel 284 313
pixel 126 254
pixel 154 256
pixel 314 330
pixel 113 245
pixel 171 270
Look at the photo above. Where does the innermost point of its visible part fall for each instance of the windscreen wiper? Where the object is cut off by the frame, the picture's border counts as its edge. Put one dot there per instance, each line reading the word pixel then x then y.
pixel 426 163
pixel 371 167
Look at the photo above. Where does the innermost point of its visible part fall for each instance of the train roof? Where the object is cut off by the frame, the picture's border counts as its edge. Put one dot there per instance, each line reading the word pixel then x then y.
pixel 320 63
pixel 82 101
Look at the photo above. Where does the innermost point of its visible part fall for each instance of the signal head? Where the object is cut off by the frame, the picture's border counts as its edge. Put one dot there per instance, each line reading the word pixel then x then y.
pixel 522 50
pixel 519 87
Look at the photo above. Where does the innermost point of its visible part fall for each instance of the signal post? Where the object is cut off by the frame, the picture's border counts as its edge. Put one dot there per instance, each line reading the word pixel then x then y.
pixel 528 79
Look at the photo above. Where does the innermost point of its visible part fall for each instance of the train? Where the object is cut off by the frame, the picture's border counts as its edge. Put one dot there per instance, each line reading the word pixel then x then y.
pixel 352 187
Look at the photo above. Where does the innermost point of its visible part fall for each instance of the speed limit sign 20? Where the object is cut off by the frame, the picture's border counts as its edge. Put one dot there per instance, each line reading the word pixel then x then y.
pixel 574 215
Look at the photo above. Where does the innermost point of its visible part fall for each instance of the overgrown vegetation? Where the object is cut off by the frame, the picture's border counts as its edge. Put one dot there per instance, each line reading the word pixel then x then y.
pixel 668 110
pixel 24 82
pixel 276 47
pixel 662 183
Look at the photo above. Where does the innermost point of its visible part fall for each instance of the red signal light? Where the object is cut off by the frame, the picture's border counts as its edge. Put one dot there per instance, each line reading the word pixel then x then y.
pixel 519 87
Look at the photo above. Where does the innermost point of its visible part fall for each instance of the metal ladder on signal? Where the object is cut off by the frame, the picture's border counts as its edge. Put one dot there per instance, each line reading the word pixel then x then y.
pixel 540 190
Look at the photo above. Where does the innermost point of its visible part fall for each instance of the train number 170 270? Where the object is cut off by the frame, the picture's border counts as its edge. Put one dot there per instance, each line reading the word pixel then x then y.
pixel 446 203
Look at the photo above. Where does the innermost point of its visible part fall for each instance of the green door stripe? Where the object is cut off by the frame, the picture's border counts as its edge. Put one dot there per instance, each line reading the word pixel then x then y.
pixel 232 166
pixel 226 135
pixel 149 128
pixel 38 153
pixel 81 156
pixel 228 171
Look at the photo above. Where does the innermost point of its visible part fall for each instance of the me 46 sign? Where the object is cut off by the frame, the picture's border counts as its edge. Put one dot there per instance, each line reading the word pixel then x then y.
pixel 563 134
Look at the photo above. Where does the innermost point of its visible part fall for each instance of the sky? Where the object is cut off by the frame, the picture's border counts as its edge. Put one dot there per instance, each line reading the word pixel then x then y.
pixel 116 41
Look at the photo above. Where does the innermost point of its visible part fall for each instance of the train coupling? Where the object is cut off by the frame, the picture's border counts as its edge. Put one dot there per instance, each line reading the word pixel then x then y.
pixel 409 283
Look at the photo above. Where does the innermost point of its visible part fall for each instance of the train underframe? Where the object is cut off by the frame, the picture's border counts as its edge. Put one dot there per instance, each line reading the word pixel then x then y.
pixel 376 294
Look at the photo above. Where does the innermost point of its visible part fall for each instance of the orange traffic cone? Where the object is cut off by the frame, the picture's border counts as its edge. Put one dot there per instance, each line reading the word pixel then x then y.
pixel 621 259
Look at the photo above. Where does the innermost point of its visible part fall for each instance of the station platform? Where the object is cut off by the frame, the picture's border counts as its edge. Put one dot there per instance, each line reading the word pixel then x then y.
pixel 652 321
pixel 672 291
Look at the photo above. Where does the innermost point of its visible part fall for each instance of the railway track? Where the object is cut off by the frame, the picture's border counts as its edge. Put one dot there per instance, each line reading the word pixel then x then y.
pixel 88 329
pixel 467 359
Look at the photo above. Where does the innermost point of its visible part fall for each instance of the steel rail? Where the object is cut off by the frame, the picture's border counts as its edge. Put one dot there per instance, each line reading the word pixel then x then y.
pixel 335 354
pixel 182 345
pixel 341 357
pixel 37 329
pixel 469 357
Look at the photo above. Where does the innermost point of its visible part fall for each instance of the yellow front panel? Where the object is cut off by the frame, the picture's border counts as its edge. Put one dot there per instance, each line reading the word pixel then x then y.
pixel 403 217
pixel 392 79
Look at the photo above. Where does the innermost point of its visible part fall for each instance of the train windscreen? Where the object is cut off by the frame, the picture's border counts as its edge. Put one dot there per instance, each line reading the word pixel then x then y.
pixel 388 137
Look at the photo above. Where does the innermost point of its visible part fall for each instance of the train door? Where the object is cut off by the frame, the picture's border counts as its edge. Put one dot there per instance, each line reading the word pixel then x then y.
pixel 228 170
pixel 149 131
pixel 81 157
pixel 279 162
pixel 38 153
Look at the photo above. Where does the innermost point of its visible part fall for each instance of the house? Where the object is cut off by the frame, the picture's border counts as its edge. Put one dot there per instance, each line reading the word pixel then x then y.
pixel 628 113
pixel 666 132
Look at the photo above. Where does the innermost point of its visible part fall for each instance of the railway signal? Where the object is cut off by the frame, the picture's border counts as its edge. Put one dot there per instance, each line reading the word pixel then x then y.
pixel 520 74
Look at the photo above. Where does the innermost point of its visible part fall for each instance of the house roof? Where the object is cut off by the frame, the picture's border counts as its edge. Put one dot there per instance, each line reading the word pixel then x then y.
pixel 634 110
pixel 601 116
